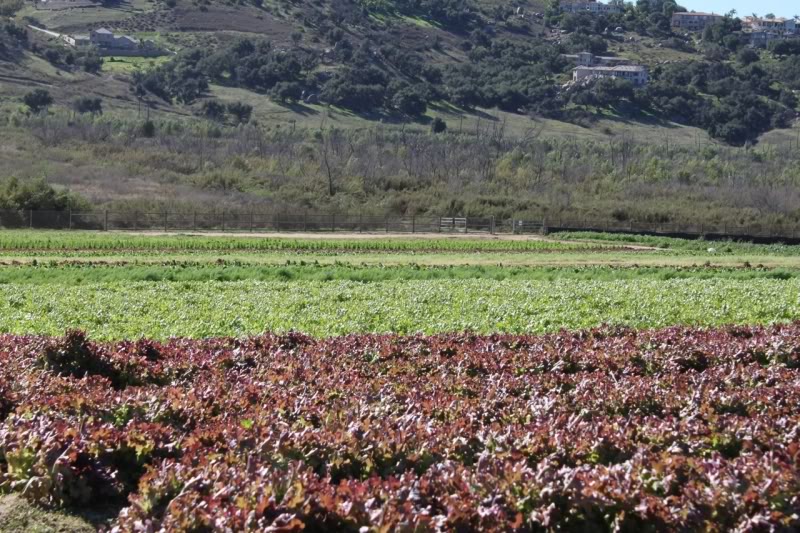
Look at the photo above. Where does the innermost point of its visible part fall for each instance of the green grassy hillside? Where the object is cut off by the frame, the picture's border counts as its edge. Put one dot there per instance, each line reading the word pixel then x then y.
pixel 429 33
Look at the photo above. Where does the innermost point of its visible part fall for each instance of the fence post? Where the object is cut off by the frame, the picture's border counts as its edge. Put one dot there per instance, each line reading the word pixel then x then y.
pixel 466 225
pixel 70 218
pixel 360 223
pixel 491 225
pixel 105 220
pixel 166 224
pixel 223 221
pixel 305 220
pixel 251 222
pixel 386 221
pixel 194 220
pixel 413 223
pixel 333 222
pixel 30 218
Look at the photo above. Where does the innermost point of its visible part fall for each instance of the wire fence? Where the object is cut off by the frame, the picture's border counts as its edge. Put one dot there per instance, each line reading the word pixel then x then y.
pixel 238 221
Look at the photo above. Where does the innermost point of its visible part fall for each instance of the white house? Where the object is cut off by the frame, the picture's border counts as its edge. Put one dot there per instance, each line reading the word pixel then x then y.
pixel 777 25
pixel 636 74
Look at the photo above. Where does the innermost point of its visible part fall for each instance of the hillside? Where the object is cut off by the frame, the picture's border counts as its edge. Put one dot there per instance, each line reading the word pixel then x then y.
pixel 397 62
pixel 332 105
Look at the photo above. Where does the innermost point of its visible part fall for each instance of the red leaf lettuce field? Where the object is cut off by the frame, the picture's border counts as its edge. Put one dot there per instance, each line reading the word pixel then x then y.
pixel 672 429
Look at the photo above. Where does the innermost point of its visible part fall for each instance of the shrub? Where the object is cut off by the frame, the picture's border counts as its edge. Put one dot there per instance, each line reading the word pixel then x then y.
pixel 438 125
pixel 88 105
pixel 37 100
pixel 241 112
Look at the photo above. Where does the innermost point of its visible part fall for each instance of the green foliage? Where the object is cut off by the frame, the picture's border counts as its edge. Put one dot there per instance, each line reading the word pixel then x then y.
pixel 785 47
pixel 747 56
pixel 148 129
pixel 75 275
pixel 744 107
pixel 202 309
pixel 88 104
pixel 287 92
pixel 213 110
pixel 9 7
pixel 240 112
pixel 179 79
pixel 410 101
pixel 17 195
pixel 92 241
pixel 723 32
pixel 38 100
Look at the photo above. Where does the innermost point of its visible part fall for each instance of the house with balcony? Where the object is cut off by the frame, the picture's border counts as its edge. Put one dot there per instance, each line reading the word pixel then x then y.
pixel 778 25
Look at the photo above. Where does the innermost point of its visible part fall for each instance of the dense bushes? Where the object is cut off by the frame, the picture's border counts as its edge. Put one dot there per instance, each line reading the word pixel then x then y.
pixel 17 195
pixel 746 106
pixel 13 39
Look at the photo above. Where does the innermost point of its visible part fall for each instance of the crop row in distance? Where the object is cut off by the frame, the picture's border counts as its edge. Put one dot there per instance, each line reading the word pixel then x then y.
pixel 87 241
pixel 696 246
pixel 205 309
pixel 85 273
pixel 679 429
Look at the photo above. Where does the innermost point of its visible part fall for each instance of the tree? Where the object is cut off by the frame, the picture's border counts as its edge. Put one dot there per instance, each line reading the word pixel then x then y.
pixel 88 104
pixel 38 100
pixel 746 56
pixel 213 110
pixel 287 91
pixel 148 129
pixel 610 91
pixel 785 47
pixel 18 195
pixel 241 112
pixel 92 62
pixel 410 102
pixel 9 7
pixel 438 125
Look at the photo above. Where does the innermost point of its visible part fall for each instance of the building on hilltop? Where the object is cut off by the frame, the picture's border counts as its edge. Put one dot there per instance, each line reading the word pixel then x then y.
pixel 693 21
pixel 775 25
pixel 108 43
pixel 636 74
pixel 595 8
